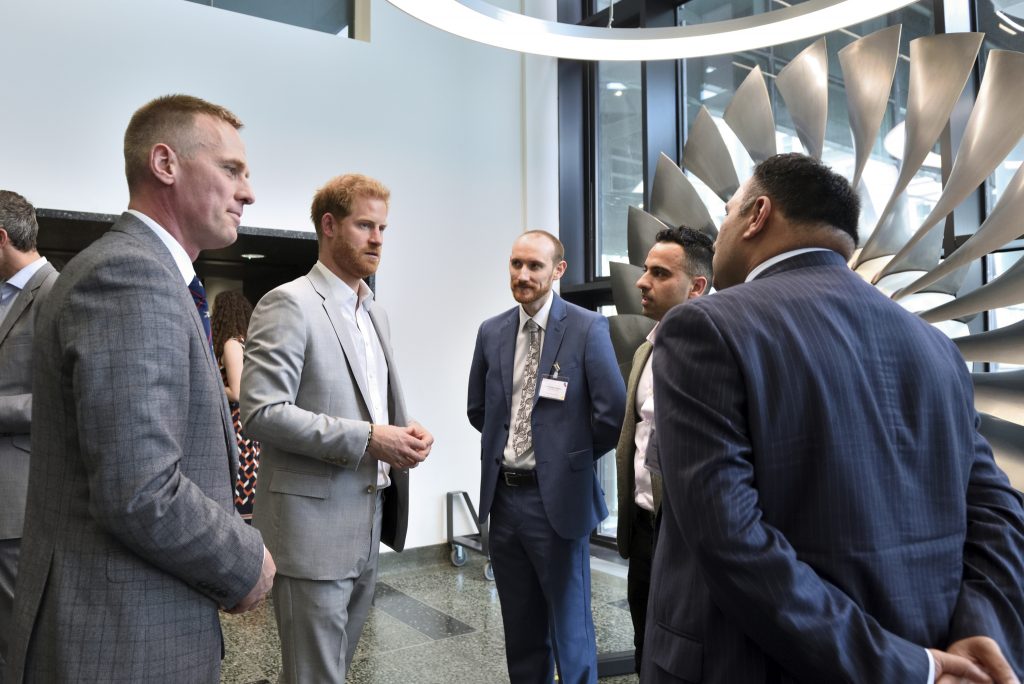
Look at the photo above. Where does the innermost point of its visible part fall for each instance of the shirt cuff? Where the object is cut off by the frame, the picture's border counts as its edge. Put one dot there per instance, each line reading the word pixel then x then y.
pixel 931 667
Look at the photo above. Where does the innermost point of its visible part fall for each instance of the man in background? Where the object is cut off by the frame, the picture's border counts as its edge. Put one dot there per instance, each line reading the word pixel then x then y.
pixel 830 512
pixel 131 539
pixel 547 395
pixel 321 392
pixel 677 268
pixel 26 281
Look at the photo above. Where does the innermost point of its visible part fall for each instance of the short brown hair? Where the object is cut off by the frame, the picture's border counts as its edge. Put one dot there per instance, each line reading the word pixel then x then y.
pixel 338 194
pixel 18 218
pixel 170 120
pixel 559 247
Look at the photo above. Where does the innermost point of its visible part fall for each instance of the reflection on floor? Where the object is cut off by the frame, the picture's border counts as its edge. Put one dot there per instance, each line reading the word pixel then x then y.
pixel 431 624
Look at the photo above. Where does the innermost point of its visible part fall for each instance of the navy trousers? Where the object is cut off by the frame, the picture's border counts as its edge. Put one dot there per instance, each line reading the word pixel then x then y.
pixel 543 584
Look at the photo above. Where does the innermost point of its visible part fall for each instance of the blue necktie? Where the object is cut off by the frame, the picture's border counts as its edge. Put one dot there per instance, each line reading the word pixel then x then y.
pixel 199 297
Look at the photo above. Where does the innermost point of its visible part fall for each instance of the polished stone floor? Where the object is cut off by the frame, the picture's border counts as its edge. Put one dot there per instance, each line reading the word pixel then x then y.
pixel 432 623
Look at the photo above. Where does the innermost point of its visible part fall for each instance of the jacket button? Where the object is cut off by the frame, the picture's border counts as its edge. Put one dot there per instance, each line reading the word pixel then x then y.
pixel 344 461
pixel 369 490
pixel 506 426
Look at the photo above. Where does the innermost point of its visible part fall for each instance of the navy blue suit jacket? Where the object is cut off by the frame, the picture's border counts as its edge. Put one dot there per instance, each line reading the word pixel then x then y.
pixel 829 506
pixel 568 436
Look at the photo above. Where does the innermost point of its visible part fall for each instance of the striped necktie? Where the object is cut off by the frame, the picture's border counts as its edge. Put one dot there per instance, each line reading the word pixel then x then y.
pixel 199 297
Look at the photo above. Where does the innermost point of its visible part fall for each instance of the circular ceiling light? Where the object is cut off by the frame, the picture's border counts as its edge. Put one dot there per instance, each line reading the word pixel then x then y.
pixel 483 22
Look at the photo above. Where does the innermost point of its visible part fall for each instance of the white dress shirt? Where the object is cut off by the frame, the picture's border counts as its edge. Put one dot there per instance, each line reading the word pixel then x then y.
pixel 643 491
pixel 527 460
pixel 369 361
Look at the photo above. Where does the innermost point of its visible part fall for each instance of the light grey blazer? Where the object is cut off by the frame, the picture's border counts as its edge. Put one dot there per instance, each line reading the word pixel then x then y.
pixel 131 540
pixel 301 399
pixel 16 398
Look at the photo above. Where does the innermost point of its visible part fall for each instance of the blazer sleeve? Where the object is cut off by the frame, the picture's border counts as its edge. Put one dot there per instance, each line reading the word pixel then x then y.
pixel 276 346
pixel 752 572
pixel 607 389
pixel 127 349
pixel 991 599
pixel 476 401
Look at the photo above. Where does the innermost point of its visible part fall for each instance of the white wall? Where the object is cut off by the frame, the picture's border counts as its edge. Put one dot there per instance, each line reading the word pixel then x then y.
pixel 465 136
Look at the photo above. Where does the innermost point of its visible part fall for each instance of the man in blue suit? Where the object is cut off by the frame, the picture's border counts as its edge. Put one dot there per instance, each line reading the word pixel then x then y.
pixel 546 393
pixel 830 512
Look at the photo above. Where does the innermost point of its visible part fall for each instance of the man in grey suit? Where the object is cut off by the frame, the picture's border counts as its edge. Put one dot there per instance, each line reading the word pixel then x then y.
pixel 321 393
pixel 677 268
pixel 131 539
pixel 27 279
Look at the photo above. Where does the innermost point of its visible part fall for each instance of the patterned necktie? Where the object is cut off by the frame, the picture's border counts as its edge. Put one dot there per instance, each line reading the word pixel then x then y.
pixel 522 438
pixel 199 297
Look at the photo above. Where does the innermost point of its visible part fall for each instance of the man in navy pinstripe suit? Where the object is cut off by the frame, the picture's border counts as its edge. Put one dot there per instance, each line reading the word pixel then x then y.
pixel 830 512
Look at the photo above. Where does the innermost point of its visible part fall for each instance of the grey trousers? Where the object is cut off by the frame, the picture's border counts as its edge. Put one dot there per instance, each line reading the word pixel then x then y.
pixel 319 621
pixel 8 572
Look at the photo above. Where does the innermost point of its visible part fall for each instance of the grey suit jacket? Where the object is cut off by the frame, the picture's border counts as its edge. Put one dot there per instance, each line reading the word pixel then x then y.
pixel 131 540
pixel 302 400
pixel 16 398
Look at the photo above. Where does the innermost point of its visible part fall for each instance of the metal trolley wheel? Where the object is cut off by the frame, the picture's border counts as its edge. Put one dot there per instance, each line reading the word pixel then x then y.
pixel 458 555
pixel 489 572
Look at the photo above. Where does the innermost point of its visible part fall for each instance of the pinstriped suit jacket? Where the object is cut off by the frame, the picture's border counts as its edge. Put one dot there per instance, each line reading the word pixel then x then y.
pixel 625 455
pixel 131 540
pixel 16 398
pixel 829 506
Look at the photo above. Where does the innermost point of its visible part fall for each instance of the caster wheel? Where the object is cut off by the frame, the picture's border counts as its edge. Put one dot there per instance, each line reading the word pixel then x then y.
pixel 458 555
pixel 489 572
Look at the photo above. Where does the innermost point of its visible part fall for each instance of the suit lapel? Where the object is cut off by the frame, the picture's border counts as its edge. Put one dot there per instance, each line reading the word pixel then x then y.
pixel 552 339
pixel 24 299
pixel 507 353
pixel 333 310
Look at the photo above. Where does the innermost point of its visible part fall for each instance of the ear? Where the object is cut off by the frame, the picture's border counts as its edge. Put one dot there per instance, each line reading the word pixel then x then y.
pixel 4 237
pixel 698 287
pixel 559 270
pixel 760 212
pixel 327 224
pixel 163 163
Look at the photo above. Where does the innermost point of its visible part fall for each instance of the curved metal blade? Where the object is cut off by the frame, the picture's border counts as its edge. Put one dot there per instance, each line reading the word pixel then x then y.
pixel 641 232
pixel 625 294
pixel 993 130
pixel 675 201
pixel 939 68
pixel 707 157
pixel 1003 345
pixel 924 256
pixel 869 65
pixel 749 115
pixel 1001 226
pixel 1007 441
pixel 889 235
pixel 628 332
pixel 1005 290
pixel 803 84
pixel 1000 394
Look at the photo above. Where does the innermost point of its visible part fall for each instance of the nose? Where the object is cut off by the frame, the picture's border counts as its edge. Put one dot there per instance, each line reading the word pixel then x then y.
pixel 641 282
pixel 245 194
pixel 376 236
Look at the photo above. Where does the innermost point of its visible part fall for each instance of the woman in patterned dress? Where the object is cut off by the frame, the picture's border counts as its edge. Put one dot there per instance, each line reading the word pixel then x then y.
pixel 230 323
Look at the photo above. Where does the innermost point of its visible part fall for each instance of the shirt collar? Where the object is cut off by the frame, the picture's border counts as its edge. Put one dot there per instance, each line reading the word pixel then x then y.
pixel 654 332
pixel 541 317
pixel 759 269
pixel 181 259
pixel 340 290
pixel 20 279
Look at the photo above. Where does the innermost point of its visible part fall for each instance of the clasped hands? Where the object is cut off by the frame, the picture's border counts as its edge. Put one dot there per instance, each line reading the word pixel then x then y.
pixel 974 659
pixel 400 447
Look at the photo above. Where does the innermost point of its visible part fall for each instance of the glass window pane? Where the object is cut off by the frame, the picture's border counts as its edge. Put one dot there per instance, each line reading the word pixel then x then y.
pixel 619 158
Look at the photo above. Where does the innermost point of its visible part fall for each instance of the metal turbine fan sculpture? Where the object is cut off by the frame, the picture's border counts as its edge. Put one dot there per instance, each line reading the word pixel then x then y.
pixel 903 261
